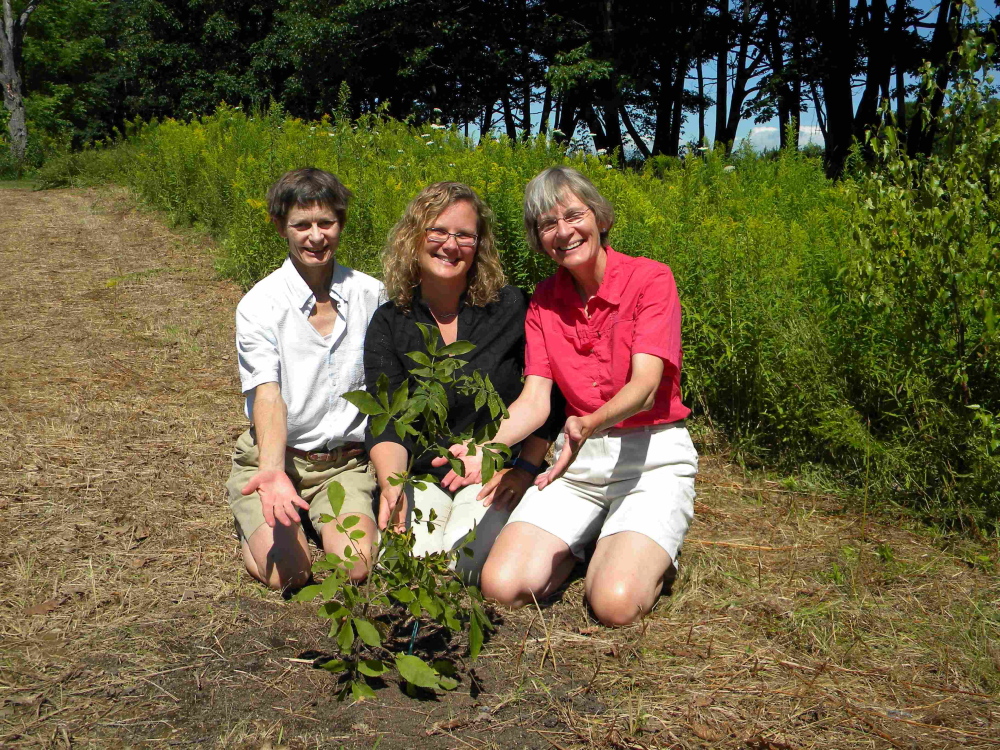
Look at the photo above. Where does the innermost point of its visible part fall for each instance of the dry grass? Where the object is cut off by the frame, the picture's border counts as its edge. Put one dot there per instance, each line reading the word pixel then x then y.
pixel 125 619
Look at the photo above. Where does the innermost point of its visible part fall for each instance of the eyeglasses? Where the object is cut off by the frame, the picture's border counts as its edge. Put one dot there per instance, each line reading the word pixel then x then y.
pixel 573 217
pixel 439 236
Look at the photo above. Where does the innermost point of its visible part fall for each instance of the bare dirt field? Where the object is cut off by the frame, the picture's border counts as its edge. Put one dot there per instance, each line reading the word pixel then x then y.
pixel 126 619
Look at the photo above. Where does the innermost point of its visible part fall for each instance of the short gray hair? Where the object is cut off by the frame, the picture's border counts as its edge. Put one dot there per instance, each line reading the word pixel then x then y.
pixel 548 188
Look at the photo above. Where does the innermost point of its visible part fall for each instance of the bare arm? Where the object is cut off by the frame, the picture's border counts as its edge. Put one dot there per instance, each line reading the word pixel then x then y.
pixel 637 395
pixel 278 497
pixel 389 458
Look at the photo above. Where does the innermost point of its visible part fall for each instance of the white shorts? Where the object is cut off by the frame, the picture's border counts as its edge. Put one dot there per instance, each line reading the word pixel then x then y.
pixel 639 479
pixel 456 513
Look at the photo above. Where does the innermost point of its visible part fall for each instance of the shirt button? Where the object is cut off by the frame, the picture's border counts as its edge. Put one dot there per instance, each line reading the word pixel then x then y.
pixel 595 384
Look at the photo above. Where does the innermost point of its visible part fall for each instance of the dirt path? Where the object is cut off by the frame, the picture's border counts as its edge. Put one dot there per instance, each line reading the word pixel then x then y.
pixel 125 619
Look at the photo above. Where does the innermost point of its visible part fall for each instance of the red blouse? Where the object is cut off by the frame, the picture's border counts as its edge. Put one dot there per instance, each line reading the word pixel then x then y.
pixel 635 311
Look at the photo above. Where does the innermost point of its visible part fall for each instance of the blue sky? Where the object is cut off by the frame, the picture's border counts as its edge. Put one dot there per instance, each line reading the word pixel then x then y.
pixel 765 135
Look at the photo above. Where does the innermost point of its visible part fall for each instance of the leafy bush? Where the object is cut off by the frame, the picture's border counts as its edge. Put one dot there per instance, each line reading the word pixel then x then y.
pixel 917 315
pixel 793 348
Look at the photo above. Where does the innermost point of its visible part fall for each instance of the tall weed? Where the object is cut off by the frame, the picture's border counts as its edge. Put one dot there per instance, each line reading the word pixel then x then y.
pixel 788 346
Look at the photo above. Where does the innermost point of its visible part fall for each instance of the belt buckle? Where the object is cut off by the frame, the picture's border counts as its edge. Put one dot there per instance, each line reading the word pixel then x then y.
pixel 319 457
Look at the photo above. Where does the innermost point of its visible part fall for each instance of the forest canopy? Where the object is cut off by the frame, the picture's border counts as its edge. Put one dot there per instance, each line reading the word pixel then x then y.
pixel 623 73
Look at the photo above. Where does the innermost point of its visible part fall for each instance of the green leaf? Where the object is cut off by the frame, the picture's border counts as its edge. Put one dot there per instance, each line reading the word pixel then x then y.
pixel 306 594
pixel 335 494
pixel 367 632
pixel 445 667
pixel 475 638
pixel 350 521
pixel 403 596
pixel 345 638
pixel 458 347
pixel 333 610
pixel 447 683
pixel 430 606
pixel 356 534
pixel 361 691
pixel 379 424
pixel 415 608
pixel 365 402
pixel 372 667
pixel 399 397
pixel 420 358
pixel 334 665
pixel 416 671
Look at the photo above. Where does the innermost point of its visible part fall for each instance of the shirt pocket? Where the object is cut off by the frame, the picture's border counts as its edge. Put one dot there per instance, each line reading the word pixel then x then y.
pixel 620 339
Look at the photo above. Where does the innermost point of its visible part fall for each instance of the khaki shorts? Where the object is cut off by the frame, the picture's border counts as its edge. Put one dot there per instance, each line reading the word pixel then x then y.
pixel 311 479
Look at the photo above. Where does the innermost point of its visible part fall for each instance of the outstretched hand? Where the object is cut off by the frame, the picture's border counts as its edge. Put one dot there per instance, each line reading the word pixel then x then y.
pixel 473 468
pixel 278 497
pixel 576 432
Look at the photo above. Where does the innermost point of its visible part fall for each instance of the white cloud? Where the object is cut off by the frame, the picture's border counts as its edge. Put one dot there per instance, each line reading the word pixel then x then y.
pixel 768 138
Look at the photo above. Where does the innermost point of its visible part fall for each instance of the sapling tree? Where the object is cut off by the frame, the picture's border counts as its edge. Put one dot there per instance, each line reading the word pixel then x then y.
pixel 402 588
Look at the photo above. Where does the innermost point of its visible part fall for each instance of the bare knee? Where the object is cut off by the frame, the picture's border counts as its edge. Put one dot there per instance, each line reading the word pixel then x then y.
pixel 279 578
pixel 360 571
pixel 618 604
pixel 506 584
pixel 278 567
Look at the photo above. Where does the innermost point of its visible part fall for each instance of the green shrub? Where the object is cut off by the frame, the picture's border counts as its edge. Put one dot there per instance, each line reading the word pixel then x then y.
pixel 917 311
pixel 793 347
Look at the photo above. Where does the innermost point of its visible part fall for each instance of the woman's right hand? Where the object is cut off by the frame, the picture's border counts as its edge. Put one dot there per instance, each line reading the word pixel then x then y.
pixel 505 490
pixel 392 512
pixel 473 468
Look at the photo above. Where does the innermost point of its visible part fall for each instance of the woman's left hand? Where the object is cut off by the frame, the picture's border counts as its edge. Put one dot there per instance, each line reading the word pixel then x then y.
pixel 576 431
pixel 505 490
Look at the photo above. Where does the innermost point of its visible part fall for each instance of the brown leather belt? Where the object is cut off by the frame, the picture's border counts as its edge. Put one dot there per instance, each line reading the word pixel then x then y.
pixel 340 453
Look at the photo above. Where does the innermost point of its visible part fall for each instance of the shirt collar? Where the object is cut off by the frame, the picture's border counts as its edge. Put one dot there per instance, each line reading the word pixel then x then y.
pixel 300 293
pixel 609 290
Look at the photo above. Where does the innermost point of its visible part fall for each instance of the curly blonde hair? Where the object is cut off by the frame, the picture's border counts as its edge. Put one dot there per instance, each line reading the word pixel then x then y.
pixel 406 240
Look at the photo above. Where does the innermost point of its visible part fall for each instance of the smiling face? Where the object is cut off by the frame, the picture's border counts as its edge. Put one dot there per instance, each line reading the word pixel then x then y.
pixel 570 234
pixel 449 261
pixel 313 233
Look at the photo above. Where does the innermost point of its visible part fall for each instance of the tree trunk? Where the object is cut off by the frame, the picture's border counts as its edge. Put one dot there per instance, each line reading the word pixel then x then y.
pixel 879 66
pixel 722 78
pixel 543 124
pixel 508 116
pixel 677 116
pixel 701 105
pixel 11 37
pixel 920 134
pixel 836 81
pixel 609 89
pixel 636 138
pixel 746 69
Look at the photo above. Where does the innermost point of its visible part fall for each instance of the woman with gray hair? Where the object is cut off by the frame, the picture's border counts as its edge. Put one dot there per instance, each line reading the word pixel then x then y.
pixel 606 329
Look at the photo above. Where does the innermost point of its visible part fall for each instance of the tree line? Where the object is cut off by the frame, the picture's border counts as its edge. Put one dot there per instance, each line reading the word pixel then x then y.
pixel 624 72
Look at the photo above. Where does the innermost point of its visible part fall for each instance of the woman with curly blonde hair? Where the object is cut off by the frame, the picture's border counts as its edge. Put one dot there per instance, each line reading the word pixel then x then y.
pixel 442 269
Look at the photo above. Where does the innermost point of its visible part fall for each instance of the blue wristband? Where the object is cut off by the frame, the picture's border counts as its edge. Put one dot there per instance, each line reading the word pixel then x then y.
pixel 520 463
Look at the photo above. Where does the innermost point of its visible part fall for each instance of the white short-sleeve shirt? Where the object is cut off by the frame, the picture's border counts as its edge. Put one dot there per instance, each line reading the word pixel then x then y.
pixel 276 343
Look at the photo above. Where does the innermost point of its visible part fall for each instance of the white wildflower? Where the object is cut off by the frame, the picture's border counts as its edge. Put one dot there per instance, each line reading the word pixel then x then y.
pixel 729 168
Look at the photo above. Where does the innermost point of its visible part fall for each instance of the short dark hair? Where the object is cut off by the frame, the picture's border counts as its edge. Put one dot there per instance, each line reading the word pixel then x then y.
pixel 307 187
